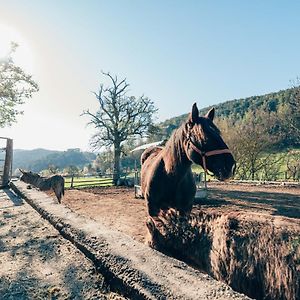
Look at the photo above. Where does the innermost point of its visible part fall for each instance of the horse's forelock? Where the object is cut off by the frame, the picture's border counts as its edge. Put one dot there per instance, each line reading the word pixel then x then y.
pixel 205 129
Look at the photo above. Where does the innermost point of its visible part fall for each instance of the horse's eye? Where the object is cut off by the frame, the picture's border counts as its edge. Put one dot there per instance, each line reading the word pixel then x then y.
pixel 196 141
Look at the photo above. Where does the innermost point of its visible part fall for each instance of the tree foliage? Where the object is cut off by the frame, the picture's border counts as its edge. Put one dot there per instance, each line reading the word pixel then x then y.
pixel 103 162
pixel 119 117
pixel 284 105
pixel 15 87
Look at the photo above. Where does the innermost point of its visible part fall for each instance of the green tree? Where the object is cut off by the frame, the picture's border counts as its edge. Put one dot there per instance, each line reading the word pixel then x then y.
pixel 72 170
pixel 103 162
pixel 119 118
pixel 15 87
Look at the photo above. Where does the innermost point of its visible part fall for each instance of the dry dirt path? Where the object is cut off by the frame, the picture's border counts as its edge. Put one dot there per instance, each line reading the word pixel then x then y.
pixel 37 263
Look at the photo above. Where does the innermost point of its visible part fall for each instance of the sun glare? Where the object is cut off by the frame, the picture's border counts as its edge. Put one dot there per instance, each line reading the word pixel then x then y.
pixel 23 56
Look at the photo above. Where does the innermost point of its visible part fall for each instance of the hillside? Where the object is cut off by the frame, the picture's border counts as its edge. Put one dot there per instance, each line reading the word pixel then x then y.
pixel 237 109
pixel 39 159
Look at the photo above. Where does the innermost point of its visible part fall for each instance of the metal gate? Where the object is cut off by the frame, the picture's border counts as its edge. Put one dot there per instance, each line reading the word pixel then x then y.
pixel 6 157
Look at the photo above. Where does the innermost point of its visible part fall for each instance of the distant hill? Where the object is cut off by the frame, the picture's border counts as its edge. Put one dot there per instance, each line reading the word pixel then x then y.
pixel 235 109
pixel 39 159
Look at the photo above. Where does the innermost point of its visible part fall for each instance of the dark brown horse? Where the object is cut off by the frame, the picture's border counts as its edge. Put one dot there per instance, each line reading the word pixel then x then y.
pixel 166 175
pixel 55 182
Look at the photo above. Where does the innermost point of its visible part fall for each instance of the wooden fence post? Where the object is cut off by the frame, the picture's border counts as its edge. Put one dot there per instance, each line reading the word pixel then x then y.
pixel 72 180
pixel 8 162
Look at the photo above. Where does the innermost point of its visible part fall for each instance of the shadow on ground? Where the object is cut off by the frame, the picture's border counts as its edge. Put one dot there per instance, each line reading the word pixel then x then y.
pixel 280 204
pixel 37 263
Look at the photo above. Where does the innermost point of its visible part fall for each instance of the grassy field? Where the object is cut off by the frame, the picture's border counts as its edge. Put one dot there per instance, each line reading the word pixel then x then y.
pixel 276 166
pixel 82 182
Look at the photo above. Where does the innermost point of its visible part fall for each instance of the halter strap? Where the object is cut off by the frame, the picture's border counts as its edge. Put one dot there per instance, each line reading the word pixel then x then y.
pixel 207 154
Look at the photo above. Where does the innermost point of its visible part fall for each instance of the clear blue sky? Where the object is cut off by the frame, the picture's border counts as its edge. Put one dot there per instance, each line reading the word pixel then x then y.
pixel 175 52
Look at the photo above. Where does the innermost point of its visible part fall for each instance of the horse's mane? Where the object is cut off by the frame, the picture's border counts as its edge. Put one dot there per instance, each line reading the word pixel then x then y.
pixel 174 147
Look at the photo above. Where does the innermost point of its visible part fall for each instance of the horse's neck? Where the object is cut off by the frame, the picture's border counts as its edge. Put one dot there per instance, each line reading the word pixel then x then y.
pixel 37 180
pixel 176 161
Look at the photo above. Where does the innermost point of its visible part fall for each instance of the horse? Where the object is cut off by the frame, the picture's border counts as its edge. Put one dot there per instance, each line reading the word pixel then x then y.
pixel 56 183
pixel 166 175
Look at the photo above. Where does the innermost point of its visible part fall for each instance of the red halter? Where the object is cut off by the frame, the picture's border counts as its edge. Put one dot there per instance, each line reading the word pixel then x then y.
pixel 208 153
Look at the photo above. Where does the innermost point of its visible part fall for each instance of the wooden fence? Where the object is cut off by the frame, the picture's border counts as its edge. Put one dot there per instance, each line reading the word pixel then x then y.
pixel 74 181
pixel 78 181
pixel 6 157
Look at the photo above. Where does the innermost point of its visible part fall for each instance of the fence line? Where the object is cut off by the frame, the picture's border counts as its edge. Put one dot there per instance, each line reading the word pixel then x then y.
pixel 6 171
pixel 72 181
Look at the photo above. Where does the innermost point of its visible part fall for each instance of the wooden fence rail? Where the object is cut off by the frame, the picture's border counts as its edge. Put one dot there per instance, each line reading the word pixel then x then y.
pixel 77 181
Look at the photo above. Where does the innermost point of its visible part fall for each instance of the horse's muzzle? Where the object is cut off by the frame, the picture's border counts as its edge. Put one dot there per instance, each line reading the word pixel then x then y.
pixel 226 172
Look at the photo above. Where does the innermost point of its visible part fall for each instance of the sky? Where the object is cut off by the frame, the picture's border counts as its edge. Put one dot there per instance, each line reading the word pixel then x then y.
pixel 174 52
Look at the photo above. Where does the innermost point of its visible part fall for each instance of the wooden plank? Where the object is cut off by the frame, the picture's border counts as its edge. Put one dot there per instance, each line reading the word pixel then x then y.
pixel 8 162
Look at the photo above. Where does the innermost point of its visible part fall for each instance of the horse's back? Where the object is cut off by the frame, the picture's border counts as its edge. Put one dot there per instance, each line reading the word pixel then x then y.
pixel 149 163
pixel 58 185
pixel 152 151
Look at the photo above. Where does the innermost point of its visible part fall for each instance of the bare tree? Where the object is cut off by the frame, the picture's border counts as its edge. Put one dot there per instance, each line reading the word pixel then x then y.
pixel 289 116
pixel 119 117
pixel 271 165
pixel 293 165
pixel 294 112
pixel 251 142
pixel 53 169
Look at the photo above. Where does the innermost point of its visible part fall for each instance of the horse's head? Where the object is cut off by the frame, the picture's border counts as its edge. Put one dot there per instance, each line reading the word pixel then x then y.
pixel 26 176
pixel 205 146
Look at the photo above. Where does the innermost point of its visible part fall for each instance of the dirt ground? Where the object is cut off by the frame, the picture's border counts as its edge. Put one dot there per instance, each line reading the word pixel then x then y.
pixel 116 206
pixel 37 263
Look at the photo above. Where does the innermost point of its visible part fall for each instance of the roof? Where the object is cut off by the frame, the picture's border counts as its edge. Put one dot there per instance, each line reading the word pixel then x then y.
pixel 145 146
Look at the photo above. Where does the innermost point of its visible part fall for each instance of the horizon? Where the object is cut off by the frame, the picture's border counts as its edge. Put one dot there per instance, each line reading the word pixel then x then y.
pixel 174 53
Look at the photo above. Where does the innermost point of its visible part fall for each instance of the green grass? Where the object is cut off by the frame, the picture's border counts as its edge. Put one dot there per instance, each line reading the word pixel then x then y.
pixel 198 169
pixel 279 166
pixel 82 182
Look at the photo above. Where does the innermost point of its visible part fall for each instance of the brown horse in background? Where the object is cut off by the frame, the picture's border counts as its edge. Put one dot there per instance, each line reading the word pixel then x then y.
pixel 55 182
pixel 166 174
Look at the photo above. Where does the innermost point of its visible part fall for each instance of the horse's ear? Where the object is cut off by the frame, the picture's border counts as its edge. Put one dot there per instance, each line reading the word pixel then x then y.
pixel 194 114
pixel 211 114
